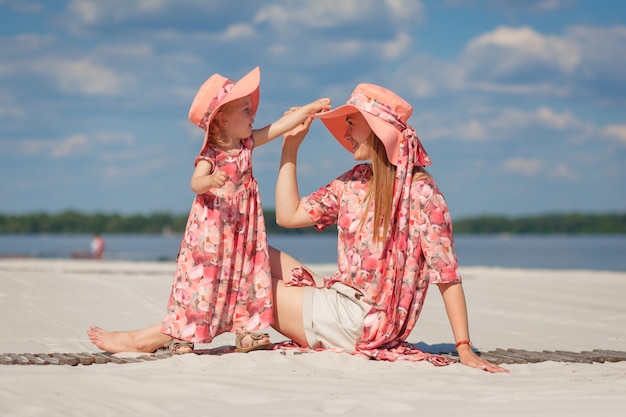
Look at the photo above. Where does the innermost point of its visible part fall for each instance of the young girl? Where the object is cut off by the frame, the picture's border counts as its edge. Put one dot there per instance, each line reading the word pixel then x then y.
pixel 222 281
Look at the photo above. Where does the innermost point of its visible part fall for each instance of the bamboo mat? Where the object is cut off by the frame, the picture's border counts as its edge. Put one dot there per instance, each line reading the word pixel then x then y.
pixel 497 356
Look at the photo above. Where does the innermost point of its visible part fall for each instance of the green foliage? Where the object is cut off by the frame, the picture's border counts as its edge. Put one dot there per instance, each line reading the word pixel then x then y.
pixel 75 222
pixel 558 223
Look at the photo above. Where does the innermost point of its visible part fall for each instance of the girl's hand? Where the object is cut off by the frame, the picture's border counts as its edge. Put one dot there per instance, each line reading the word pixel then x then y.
pixel 469 358
pixel 218 179
pixel 291 110
pixel 319 105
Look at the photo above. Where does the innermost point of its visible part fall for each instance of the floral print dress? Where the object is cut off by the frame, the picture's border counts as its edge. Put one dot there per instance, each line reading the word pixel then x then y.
pixel 222 281
pixel 393 276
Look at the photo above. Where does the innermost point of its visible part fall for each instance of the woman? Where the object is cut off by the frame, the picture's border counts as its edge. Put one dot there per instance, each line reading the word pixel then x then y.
pixel 395 239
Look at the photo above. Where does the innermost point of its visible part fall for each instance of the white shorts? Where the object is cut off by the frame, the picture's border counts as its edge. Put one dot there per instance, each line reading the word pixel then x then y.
pixel 333 317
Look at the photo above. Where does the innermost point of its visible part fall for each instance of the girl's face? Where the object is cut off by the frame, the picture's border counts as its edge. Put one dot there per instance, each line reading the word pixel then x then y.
pixel 239 118
pixel 360 135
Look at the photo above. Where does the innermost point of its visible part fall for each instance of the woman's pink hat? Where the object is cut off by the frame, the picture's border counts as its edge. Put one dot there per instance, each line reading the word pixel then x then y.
pixel 385 112
pixel 219 90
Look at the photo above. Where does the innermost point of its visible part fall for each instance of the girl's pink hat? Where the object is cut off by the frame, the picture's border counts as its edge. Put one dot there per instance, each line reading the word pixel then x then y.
pixel 219 90
pixel 386 114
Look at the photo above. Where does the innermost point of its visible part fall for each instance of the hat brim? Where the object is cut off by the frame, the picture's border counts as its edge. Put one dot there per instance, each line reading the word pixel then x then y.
pixel 335 122
pixel 248 85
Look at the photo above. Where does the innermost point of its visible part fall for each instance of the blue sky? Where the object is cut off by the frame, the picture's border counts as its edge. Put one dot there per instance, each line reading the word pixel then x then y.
pixel 521 104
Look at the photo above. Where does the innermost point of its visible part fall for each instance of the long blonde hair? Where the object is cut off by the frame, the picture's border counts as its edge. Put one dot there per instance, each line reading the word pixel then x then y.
pixel 216 128
pixel 382 187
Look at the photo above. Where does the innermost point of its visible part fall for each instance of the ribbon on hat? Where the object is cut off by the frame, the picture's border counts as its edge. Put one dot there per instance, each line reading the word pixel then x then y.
pixel 216 101
pixel 389 115
pixel 413 146
pixel 378 109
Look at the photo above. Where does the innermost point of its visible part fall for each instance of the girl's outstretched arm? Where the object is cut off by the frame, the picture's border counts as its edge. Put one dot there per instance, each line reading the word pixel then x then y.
pixel 289 120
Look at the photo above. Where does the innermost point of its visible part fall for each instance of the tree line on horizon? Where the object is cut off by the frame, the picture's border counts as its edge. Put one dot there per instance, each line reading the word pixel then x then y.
pixel 74 222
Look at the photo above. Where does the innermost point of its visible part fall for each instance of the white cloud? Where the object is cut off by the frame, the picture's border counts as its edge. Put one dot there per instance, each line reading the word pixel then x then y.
pixel 563 171
pixel 473 130
pixel 536 6
pixel 82 76
pixel 541 88
pixel 72 145
pixel 331 13
pixel 558 121
pixel 317 14
pixel 526 167
pixel 24 44
pixel 397 47
pixel 519 46
pixel 137 51
pixel 55 148
pixel 114 138
pixel 506 124
pixel 23 6
pixel 420 87
pixel 584 61
pixel 92 12
pixel 86 11
pixel 512 118
pixel 238 31
pixel 550 5
pixel 140 168
pixel 616 131
pixel 603 59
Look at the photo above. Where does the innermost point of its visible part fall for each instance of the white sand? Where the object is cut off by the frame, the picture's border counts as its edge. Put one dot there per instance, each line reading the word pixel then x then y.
pixel 48 305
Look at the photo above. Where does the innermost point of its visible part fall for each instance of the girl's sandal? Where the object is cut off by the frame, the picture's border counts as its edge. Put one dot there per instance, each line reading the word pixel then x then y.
pixel 179 347
pixel 258 341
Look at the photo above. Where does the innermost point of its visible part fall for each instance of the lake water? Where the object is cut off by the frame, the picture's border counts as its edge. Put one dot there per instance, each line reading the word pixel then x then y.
pixel 596 252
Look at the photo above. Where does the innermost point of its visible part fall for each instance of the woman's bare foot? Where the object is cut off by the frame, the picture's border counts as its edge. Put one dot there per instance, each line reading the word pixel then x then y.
pixel 113 342
pixel 146 340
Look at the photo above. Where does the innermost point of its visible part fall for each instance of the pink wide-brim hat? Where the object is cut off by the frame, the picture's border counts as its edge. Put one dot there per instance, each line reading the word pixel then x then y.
pixel 386 114
pixel 218 90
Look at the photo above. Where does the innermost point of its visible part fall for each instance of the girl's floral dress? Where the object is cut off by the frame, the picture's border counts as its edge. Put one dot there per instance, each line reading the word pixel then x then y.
pixel 393 276
pixel 222 281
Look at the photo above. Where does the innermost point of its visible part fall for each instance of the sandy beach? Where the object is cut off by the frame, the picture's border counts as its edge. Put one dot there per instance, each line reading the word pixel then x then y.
pixel 48 305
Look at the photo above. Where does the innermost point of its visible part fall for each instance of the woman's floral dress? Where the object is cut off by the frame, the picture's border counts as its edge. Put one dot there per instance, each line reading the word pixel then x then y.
pixel 392 276
pixel 222 281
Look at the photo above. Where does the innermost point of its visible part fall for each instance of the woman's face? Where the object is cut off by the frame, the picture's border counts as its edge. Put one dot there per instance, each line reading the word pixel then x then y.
pixel 360 135
pixel 240 118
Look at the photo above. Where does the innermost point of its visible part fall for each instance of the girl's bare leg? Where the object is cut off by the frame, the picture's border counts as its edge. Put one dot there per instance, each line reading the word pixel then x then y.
pixel 287 315
pixel 287 300
pixel 145 340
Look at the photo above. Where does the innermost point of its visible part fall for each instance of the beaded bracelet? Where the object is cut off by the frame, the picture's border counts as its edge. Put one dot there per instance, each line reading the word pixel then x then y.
pixel 463 342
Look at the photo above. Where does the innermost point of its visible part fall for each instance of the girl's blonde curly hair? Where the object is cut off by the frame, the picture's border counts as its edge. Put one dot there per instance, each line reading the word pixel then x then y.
pixel 215 136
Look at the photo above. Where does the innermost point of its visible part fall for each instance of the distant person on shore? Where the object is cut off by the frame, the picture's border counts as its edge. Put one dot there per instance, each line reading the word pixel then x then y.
pixel 96 249
pixel 223 281
pixel 394 240
pixel 97 245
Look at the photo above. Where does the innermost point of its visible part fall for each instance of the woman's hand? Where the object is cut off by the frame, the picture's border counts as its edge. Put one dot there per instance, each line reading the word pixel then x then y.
pixel 471 359
pixel 296 135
